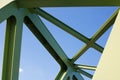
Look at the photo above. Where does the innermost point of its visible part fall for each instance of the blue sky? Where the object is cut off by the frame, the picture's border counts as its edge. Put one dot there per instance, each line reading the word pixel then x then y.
pixel 36 63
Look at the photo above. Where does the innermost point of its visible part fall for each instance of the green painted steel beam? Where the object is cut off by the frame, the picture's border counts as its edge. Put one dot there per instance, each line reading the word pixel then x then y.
pixel 13 38
pixel 12 49
pixel 66 3
pixel 7 10
pixel 6 75
pixel 86 73
pixel 48 37
pixel 70 74
pixel 45 43
pixel 87 67
pixel 60 74
pixel 43 35
pixel 97 35
pixel 66 28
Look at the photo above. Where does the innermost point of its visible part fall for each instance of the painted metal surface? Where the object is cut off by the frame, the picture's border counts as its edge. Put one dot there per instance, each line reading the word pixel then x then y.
pixel 12 49
pixel 96 36
pixel 7 11
pixel 66 28
pixel 64 3
pixel 59 52
pixel 13 38
pixel 16 16
pixel 86 67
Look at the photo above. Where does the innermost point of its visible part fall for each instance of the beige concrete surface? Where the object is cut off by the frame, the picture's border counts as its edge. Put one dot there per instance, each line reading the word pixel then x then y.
pixel 109 65
pixel 4 2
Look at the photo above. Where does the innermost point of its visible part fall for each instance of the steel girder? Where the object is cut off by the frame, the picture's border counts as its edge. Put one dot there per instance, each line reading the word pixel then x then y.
pixel 66 3
pixel 16 16
pixel 12 40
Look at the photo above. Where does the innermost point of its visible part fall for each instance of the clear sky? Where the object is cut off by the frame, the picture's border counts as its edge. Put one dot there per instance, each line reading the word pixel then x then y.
pixel 37 64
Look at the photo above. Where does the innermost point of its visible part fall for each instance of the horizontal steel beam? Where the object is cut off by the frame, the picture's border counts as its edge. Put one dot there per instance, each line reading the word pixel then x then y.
pixel 85 67
pixel 66 3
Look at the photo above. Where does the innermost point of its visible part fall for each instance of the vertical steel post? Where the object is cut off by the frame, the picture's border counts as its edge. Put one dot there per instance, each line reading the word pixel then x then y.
pixel 12 49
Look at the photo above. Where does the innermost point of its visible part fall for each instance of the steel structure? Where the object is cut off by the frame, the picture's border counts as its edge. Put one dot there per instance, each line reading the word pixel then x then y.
pixel 18 12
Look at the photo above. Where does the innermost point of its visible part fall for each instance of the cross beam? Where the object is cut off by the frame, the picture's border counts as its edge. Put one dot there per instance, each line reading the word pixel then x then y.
pixel 66 3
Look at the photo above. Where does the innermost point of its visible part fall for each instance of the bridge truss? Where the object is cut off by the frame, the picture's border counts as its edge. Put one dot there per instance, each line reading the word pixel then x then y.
pixel 23 11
